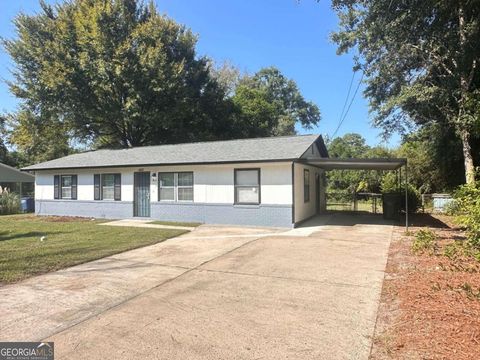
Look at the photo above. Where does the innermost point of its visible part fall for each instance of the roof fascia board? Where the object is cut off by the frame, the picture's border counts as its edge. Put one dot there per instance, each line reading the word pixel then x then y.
pixel 163 164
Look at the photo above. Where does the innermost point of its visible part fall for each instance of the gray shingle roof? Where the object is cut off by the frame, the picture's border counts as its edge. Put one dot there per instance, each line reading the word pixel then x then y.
pixel 245 150
pixel 10 174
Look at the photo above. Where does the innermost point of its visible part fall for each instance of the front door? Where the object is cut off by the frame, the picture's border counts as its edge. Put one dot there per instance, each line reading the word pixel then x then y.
pixel 141 194
pixel 317 193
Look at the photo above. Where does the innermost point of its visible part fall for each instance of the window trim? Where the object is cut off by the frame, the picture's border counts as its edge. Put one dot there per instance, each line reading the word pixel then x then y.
pixel 235 186
pixel 57 187
pixel 306 187
pixel 175 186
pixel 100 186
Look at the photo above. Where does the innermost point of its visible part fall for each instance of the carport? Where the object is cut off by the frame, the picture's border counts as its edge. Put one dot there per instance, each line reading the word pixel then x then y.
pixel 394 164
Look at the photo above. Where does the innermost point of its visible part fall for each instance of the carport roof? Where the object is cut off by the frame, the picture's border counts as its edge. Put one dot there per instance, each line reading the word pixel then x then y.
pixel 357 164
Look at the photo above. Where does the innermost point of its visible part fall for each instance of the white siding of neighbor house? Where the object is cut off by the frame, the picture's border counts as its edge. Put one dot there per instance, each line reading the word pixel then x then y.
pixel 212 183
pixel 304 210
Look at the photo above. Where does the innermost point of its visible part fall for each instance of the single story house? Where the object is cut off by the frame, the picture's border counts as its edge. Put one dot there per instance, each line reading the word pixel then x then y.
pixel 261 181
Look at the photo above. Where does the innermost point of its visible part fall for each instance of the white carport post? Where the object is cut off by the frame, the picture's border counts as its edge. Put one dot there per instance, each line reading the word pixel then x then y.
pixel 406 196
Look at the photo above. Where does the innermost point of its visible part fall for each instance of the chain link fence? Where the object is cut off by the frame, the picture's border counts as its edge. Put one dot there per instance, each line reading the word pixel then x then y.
pixel 364 202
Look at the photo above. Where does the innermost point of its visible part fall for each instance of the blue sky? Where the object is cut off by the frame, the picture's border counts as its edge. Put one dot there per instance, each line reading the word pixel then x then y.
pixel 289 34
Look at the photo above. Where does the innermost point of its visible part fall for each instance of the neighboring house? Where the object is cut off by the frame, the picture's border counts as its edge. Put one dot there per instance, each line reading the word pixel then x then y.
pixel 262 181
pixel 15 180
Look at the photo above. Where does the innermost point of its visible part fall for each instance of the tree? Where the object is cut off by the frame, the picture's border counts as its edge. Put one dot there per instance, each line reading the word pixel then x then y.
pixel 38 138
pixel 434 156
pixel 270 104
pixel 227 75
pixel 3 147
pixel 421 61
pixel 114 72
pixel 353 145
pixel 348 146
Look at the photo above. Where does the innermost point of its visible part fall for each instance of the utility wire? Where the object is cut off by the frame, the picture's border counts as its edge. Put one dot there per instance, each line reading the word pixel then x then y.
pixel 348 108
pixel 348 96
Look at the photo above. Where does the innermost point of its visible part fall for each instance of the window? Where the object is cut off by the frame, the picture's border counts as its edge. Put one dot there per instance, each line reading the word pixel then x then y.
pixel 175 186
pixel 166 182
pixel 306 185
pixel 185 186
pixel 107 186
pixel 247 186
pixel 65 187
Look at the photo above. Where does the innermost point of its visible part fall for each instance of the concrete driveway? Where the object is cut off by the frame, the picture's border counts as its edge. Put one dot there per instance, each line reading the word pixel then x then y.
pixel 215 293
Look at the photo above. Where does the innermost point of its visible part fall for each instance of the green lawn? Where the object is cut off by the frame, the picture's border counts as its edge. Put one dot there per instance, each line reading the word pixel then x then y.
pixel 69 241
pixel 174 223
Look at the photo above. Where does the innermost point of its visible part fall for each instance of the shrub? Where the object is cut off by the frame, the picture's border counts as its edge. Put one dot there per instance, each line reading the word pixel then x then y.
pixel 390 185
pixel 451 208
pixel 414 200
pixel 425 241
pixel 467 198
pixel 455 250
pixel 9 202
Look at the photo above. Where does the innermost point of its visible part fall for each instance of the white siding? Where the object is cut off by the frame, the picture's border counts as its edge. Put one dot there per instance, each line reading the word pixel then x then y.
pixel 304 210
pixel 212 183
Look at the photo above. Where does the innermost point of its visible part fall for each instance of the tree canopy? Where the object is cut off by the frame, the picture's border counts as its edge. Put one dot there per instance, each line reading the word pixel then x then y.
pixel 353 145
pixel 421 61
pixel 266 103
pixel 116 73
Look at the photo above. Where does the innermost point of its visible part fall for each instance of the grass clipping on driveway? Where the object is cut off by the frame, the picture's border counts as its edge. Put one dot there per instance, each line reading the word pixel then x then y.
pixel 67 241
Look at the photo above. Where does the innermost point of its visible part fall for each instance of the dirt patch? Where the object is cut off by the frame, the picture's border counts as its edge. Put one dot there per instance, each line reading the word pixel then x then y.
pixel 430 305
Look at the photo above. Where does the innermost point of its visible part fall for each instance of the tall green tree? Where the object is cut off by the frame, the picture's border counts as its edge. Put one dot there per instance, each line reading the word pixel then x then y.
pixel 434 158
pixel 421 63
pixel 115 73
pixel 349 146
pixel 38 138
pixel 271 104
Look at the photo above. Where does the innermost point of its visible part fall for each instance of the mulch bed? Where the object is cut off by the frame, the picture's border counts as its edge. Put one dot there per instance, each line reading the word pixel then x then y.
pixel 49 218
pixel 430 304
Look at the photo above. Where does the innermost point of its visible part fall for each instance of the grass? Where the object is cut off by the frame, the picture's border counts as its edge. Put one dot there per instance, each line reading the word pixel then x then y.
pixel 348 206
pixel 174 223
pixel 68 241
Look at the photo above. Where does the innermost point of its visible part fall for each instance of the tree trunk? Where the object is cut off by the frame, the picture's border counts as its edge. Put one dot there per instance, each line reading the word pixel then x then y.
pixel 467 157
pixel 464 87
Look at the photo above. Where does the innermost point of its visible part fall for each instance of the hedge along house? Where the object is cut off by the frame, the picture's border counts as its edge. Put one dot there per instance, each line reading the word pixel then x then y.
pixel 262 181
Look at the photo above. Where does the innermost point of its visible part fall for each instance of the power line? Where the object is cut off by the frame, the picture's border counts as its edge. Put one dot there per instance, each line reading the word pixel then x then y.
pixel 348 95
pixel 348 108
